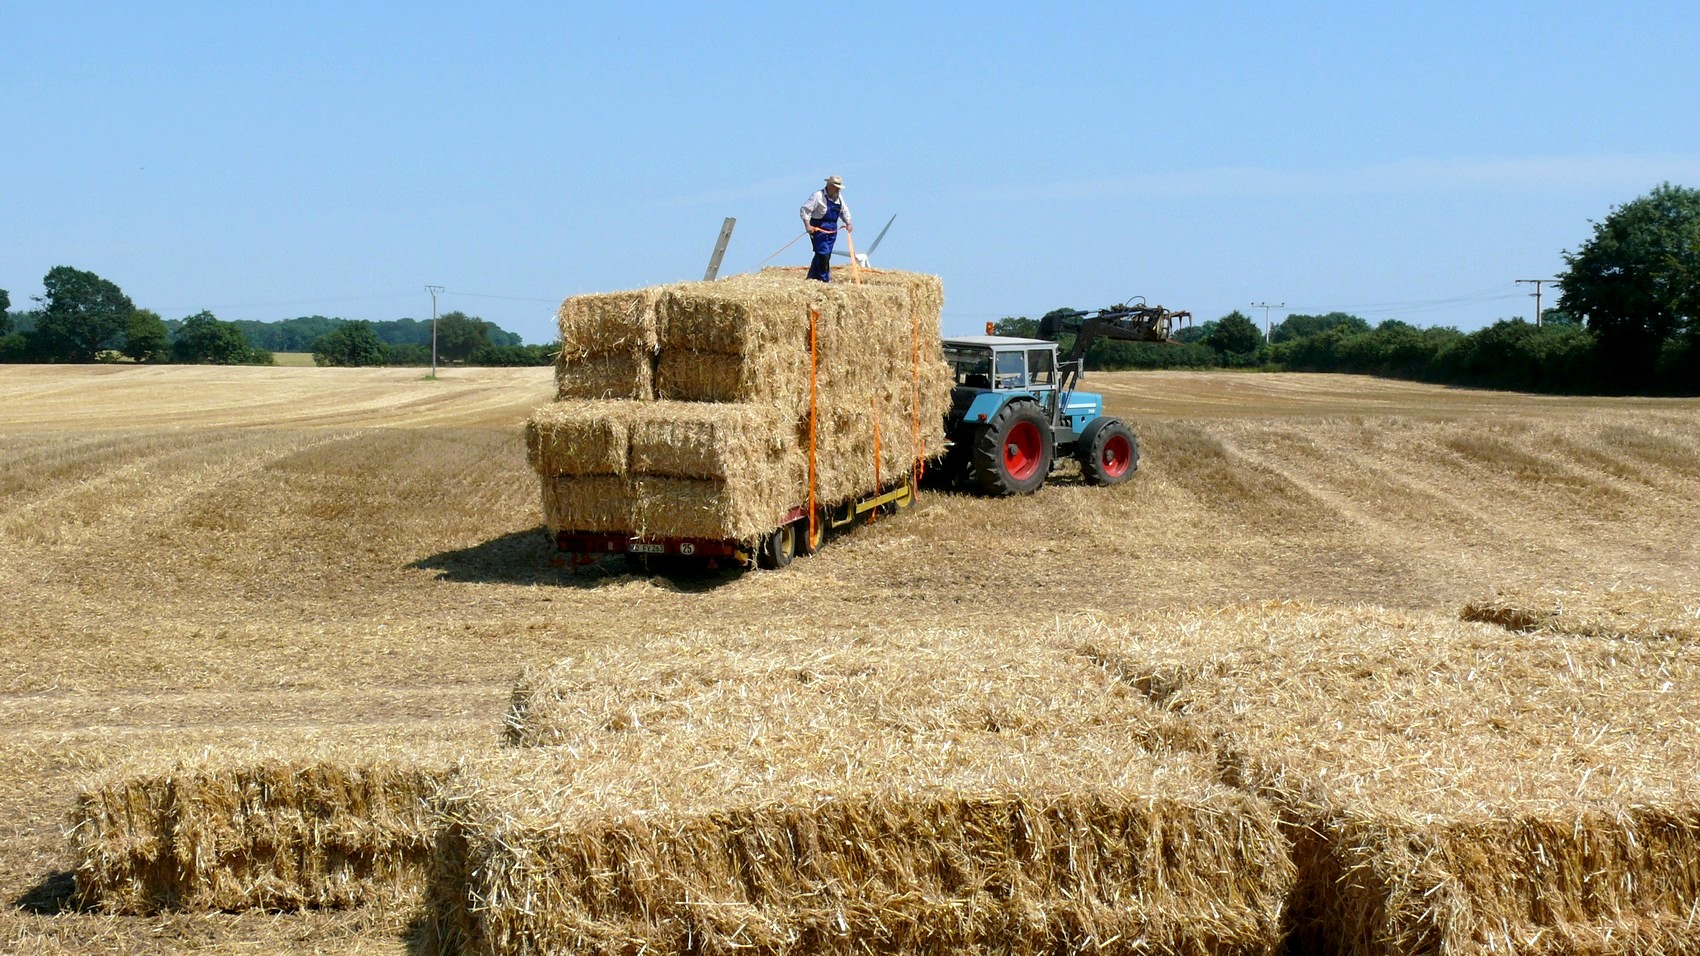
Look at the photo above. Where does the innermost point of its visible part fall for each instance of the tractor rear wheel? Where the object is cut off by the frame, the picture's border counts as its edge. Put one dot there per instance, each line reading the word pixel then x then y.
pixel 1012 454
pixel 1113 455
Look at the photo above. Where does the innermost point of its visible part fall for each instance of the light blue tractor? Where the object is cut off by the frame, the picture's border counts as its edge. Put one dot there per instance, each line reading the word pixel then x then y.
pixel 1015 412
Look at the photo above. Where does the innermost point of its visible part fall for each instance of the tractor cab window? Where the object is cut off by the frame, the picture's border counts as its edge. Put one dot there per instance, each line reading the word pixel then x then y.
pixel 970 369
pixel 1011 370
pixel 1041 367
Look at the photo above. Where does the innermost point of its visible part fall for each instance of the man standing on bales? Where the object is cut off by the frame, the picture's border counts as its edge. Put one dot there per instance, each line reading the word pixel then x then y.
pixel 821 215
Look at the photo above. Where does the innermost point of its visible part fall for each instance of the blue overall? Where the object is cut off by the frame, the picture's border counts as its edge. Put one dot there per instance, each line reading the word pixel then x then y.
pixel 821 266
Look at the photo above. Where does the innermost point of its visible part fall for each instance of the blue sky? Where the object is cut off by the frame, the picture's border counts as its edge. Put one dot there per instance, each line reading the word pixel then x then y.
pixel 1394 160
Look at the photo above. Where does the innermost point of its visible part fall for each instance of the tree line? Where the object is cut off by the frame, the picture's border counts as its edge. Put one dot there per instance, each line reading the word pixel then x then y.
pixel 1627 322
pixel 82 317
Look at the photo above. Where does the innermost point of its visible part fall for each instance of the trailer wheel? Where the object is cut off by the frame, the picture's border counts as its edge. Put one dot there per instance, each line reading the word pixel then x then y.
pixel 779 549
pixel 1012 454
pixel 807 544
pixel 1112 456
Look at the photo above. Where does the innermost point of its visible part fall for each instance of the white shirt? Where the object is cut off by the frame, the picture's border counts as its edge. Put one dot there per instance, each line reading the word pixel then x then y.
pixel 816 208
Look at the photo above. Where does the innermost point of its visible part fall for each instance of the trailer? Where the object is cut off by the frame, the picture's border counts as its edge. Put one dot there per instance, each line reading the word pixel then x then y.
pixel 796 537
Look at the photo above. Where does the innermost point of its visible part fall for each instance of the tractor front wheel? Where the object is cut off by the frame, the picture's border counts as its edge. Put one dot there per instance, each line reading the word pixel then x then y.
pixel 1112 455
pixel 1012 454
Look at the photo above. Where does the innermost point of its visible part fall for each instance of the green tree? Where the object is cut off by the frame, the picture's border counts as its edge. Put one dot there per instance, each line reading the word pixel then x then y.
pixel 1019 327
pixel 84 314
pixel 1235 334
pixel 1297 326
pixel 146 339
pixel 351 345
pixel 203 339
pixel 459 335
pixel 5 317
pixel 1633 281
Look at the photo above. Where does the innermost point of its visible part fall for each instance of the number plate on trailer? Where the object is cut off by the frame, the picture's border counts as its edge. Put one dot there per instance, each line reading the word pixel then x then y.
pixel 647 547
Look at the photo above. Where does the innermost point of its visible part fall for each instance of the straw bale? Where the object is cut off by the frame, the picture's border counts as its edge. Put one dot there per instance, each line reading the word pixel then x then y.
pixel 608 345
pixel 578 438
pixel 265 829
pixel 902 791
pixel 1450 786
pixel 609 323
pixel 617 375
pixel 1623 612
pixel 703 440
pixel 780 379
pixel 592 503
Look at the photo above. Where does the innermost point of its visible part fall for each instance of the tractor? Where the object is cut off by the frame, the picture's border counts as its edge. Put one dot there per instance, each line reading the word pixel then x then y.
pixel 1015 413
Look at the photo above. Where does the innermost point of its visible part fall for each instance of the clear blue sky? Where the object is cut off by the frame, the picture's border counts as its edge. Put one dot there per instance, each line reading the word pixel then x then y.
pixel 272 160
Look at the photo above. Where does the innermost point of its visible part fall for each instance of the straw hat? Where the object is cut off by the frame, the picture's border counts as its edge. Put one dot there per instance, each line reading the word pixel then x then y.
pixel 835 181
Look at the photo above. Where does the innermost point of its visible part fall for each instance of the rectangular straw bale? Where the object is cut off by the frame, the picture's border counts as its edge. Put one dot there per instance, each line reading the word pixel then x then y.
pixel 608 345
pixel 592 503
pixel 777 377
pixel 703 440
pixel 1624 612
pixel 1450 786
pixel 615 375
pixel 277 831
pixel 578 438
pixel 609 323
pixel 740 509
pixel 902 791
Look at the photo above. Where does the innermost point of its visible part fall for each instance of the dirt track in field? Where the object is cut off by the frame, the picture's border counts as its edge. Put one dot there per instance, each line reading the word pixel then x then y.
pixel 207 557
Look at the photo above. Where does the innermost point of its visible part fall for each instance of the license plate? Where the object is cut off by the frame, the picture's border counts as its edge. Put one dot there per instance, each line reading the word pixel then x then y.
pixel 644 547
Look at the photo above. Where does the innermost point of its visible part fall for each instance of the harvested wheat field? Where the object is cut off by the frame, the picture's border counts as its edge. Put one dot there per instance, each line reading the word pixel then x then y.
pixel 344 569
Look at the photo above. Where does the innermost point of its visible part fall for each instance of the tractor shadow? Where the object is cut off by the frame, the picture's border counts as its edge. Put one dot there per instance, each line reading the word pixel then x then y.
pixel 529 558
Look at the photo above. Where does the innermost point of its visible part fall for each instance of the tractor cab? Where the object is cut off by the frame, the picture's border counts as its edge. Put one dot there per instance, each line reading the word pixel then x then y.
pixel 1013 412
pixel 996 365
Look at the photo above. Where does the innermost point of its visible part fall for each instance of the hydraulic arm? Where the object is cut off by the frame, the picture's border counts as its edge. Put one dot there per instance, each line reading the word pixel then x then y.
pixel 1129 322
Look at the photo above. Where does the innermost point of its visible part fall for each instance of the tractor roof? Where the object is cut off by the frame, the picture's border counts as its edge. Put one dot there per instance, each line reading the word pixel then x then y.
pixel 995 341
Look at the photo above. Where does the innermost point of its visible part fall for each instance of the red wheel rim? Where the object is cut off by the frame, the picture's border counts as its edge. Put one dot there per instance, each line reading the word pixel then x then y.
pixel 1021 451
pixel 1117 455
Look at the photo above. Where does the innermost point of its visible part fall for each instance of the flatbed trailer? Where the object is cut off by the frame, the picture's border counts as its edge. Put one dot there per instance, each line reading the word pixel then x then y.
pixel 795 537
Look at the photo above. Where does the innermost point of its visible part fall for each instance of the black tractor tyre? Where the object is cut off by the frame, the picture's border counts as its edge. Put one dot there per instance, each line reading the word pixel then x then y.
pixel 1109 452
pixel 1012 453
pixel 779 549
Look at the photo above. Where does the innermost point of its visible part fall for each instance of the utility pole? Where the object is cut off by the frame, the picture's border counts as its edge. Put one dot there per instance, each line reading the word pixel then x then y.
pixel 433 289
pixel 1537 283
pixel 1265 306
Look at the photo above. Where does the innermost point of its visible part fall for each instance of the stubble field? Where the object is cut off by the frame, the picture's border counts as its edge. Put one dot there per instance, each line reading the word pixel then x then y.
pixel 210 559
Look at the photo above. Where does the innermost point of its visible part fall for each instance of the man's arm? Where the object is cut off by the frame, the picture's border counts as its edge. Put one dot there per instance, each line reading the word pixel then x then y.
pixel 814 205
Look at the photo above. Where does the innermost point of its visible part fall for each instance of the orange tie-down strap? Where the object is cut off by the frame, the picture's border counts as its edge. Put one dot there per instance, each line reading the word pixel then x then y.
pixel 879 488
pixel 814 320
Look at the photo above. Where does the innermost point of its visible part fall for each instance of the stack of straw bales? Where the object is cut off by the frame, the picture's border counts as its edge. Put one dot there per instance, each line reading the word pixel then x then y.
pixel 1451 787
pixel 683 410
pixel 272 830
pixel 916 792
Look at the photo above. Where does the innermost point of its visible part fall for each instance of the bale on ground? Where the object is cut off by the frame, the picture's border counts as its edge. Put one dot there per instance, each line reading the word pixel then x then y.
pixel 1625 612
pixel 909 791
pixel 271 830
pixel 1449 786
